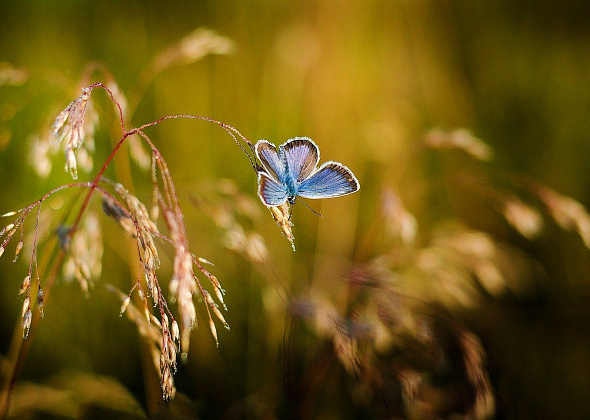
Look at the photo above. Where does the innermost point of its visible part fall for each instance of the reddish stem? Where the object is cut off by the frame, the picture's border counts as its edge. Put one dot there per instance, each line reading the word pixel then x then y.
pixel 19 347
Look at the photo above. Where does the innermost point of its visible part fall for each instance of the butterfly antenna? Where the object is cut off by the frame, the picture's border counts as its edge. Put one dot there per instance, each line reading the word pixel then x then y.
pixel 233 132
pixel 305 204
pixel 252 161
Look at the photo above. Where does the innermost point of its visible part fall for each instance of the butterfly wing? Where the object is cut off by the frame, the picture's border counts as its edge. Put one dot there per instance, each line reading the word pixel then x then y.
pixel 271 192
pixel 267 154
pixel 301 155
pixel 332 179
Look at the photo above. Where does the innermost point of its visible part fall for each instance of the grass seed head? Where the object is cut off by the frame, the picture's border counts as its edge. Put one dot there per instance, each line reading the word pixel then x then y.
pixel 526 220
pixel 26 285
pixel 27 319
pixel 40 300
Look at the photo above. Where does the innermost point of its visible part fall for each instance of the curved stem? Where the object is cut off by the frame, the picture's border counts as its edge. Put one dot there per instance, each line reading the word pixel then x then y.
pixel 19 347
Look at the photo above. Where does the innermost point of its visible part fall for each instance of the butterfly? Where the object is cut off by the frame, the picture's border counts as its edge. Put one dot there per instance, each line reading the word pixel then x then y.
pixel 292 171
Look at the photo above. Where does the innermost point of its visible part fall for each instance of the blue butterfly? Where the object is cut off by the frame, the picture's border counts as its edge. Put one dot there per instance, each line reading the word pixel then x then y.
pixel 293 171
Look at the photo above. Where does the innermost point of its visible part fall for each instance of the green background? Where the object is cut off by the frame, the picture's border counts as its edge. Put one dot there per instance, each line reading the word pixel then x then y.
pixel 366 80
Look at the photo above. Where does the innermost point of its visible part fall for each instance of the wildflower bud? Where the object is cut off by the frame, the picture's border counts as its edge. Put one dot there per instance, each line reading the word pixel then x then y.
pixel 40 300
pixel 10 213
pixel 124 305
pixel 140 294
pixel 25 286
pixel 1 250
pixel 148 315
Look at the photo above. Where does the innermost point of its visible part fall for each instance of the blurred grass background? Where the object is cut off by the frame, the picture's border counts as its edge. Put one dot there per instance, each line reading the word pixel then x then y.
pixel 366 80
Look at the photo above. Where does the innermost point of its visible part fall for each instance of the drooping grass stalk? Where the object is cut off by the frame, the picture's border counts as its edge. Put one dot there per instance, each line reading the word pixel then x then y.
pixel 173 218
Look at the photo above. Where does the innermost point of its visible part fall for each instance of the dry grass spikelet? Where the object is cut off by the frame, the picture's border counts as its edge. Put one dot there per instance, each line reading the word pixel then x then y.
pixel 568 213
pixel 70 125
pixel 193 47
pixel 85 249
pixel 398 223
pixel 159 337
pixel 344 333
pixel 10 75
pixel 484 404
pixel 524 218
pixel 79 239
pixel 233 212
pixel 459 139
pixel 282 215
pixel 40 156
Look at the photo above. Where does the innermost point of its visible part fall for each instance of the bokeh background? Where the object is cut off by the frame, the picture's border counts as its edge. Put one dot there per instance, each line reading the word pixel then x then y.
pixel 368 81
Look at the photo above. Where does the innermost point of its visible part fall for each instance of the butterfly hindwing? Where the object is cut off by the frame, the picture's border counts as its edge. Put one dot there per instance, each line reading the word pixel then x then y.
pixel 332 179
pixel 301 155
pixel 267 154
pixel 271 192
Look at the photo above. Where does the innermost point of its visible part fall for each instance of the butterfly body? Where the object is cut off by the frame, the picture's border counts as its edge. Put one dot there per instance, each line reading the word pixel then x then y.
pixel 292 171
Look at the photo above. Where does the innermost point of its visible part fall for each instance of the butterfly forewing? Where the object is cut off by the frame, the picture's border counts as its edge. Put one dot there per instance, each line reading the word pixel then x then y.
pixel 302 156
pixel 267 154
pixel 271 192
pixel 332 179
